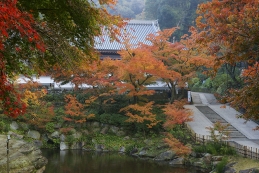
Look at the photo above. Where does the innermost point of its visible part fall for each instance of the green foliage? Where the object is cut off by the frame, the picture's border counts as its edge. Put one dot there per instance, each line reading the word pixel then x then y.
pixel 221 165
pixel 181 133
pixel 214 149
pixel 70 139
pixel 113 119
pixel 50 127
pixel 4 127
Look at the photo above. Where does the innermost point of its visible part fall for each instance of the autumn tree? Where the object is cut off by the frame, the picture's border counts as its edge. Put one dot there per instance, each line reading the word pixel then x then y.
pixel 137 69
pixel 39 112
pixel 76 112
pixel 229 31
pixel 181 59
pixel 16 27
pixel 67 30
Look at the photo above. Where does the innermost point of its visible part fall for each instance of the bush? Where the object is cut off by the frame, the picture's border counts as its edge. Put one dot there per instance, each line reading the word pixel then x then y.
pixel 221 165
pixel 4 127
pixel 215 149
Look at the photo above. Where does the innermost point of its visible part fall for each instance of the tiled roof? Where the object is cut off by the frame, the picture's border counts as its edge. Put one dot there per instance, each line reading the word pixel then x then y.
pixel 138 30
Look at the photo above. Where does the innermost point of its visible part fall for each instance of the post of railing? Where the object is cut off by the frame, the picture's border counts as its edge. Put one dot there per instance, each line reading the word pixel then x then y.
pixel 7 150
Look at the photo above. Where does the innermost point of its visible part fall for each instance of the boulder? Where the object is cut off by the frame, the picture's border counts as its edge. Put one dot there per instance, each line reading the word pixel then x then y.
pixel 114 129
pixel 62 138
pixel 167 155
pixel 15 135
pixel 217 158
pixel 104 130
pixel 63 146
pixel 120 133
pixel 177 161
pixel 33 134
pixel 55 135
pixel 14 125
pixel 24 126
pixel 252 170
pixel 23 157
pixel 122 149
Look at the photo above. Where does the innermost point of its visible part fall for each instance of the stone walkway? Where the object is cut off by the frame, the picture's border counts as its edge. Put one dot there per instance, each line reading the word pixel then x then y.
pixel 206 111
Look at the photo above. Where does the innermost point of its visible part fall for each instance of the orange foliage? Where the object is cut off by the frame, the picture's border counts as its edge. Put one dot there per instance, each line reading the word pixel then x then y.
pixel 140 113
pixel 75 110
pixel 38 111
pixel 176 114
pixel 176 145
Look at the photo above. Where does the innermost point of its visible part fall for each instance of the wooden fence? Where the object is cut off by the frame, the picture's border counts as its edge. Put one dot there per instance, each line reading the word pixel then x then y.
pixel 242 150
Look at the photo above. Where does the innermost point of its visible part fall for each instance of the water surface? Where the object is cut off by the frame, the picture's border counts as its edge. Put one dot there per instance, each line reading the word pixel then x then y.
pixel 78 161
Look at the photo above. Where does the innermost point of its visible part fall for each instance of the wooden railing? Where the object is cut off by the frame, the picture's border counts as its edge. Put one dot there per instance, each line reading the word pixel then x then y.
pixel 242 150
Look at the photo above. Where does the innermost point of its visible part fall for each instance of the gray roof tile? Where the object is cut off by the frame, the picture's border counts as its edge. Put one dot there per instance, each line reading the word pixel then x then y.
pixel 138 30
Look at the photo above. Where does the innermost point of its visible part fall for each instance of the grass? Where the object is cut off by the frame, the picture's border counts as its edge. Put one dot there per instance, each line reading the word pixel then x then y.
pixel 243 163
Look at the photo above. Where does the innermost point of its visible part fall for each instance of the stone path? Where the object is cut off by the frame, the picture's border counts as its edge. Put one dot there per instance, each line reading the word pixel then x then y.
pixel 206 111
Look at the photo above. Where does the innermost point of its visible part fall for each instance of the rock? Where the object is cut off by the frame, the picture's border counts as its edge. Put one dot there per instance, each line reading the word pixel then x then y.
pixel 23 157
pixel 14 125
pixel 229 169
pixel 55 135
pixel 114 129
pixel 122 149
pixel 252 170
pixel 126 138
pixel 168 155
pixel 77 135
pixel 104 130
pixel 198 164
pixel 14 135
pixel 142 153
pixel 62 138
pixel 63 146
pixel 133 151
pixel 177 161
pixel 148 141
pixel 77 146
pixel 120 133
pixel 33 134
pixel 85 132
pixel 96 130
pixel 99 147
pixel 24 126
pixel 217 158
pixel 193 154
pixel 38 143
pixel 207 159
pixel 95 125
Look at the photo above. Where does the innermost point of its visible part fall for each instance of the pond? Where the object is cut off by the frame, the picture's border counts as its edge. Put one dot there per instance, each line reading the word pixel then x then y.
pixel 78 161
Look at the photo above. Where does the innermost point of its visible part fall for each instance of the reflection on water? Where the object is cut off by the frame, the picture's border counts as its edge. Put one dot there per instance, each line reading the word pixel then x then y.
pixel 78 161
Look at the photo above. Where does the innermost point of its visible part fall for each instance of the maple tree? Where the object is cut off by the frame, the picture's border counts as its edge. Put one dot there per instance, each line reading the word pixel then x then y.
pixel 230 31
pixel 141 113
pixel 15 25
pixel 181 59
pixel 75 110
pixel 38 111
pixel 176 114
pixel 137 69
pixel 68 28
pixel 176 145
